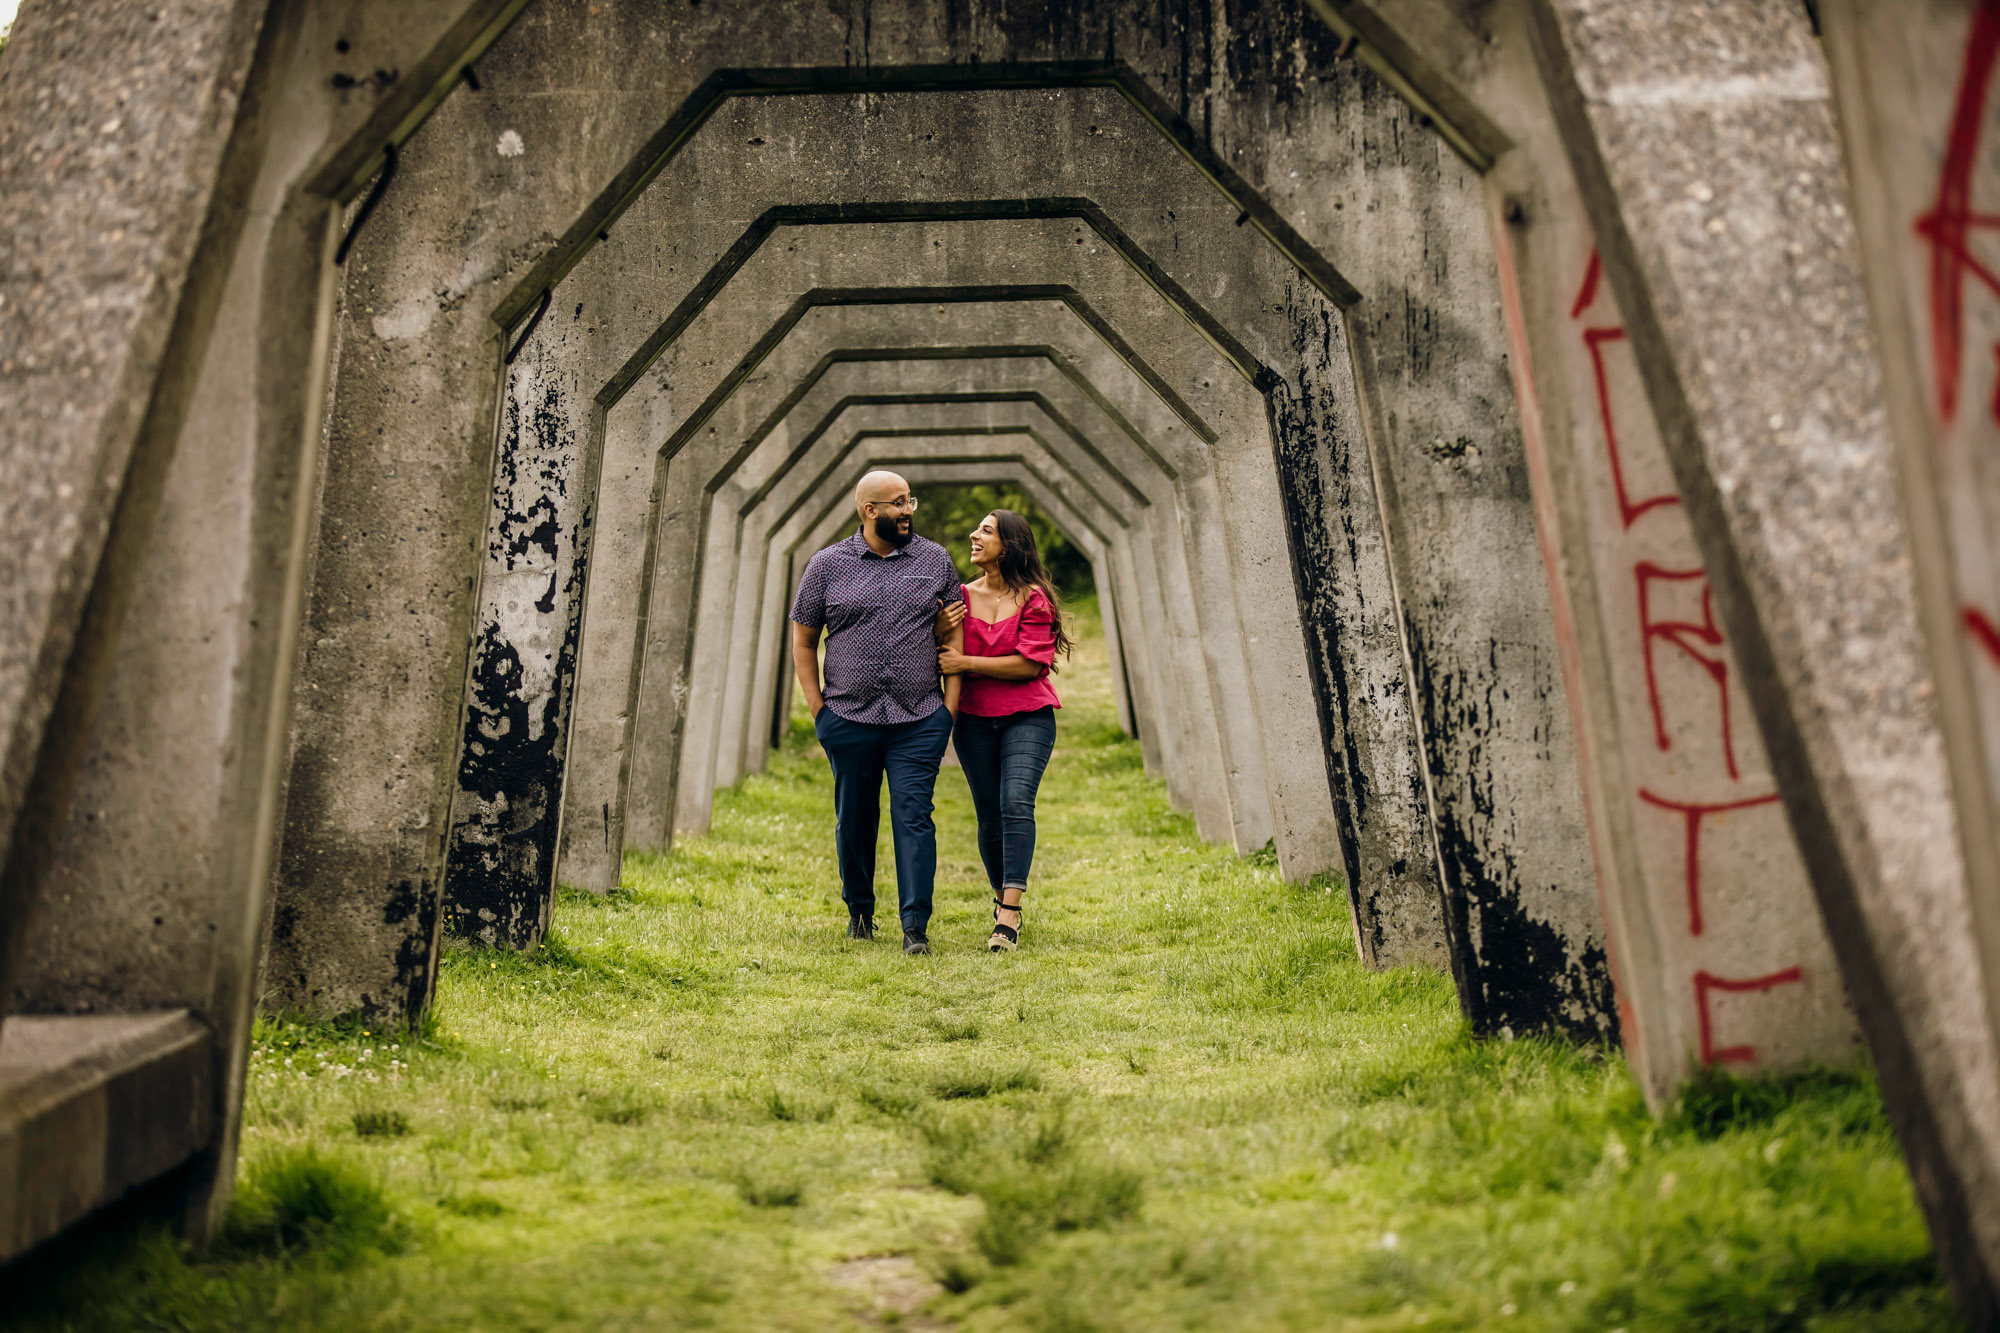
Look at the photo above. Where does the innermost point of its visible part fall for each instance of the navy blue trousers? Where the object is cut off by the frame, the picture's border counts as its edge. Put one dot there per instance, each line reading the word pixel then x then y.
pixel 861 753
pixel 1003 758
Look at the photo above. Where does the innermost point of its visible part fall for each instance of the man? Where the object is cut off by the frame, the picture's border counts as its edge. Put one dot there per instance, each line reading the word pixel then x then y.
pixel 876 595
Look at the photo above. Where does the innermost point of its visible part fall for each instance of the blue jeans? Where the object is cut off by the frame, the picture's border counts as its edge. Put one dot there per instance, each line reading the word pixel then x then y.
pixel 909 753
pixel 1003 758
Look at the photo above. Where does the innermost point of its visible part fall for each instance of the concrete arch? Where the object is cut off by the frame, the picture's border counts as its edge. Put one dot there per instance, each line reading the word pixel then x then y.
pixel 956 378
pixel 1023 237
pixel 615 267
pixel 1519 885
pixel 869 381
pixel 1077 404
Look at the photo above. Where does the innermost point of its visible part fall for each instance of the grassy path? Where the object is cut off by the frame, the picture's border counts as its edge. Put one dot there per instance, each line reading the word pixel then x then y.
pixel 1183 1104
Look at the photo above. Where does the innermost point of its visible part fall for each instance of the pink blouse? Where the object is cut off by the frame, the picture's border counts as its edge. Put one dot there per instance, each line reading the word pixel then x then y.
pixel 1031 632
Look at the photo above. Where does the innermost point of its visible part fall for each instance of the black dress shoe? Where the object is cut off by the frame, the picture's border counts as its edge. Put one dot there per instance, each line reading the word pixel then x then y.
pixel 860 928
pixel 915 941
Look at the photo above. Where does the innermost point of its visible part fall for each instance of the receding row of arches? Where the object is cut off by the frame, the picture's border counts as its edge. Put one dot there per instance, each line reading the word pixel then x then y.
pixel 1261 305
pixel 1034 259
pixel 799 275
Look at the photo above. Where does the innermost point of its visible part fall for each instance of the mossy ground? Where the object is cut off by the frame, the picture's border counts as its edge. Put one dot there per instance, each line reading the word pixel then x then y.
pixel 1183 1104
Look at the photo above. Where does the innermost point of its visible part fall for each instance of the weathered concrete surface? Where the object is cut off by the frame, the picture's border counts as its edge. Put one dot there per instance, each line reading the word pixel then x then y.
pixel 150 824
pixel 1910 84
pixel 1499 745
pixel 1721 955
pixel 1705 146
pixel 92 1107
pixel 113 127
pixel 354 923
pixel 1716 944
pixel 1354 627
pixel 990 266
pixel 1913 85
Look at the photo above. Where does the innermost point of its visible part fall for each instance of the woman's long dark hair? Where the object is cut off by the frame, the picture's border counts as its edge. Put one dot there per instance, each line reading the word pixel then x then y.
pixel 1021 569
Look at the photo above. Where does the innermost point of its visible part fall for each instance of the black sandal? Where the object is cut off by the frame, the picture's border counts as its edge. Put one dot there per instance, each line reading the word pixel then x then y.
pixel 1004 937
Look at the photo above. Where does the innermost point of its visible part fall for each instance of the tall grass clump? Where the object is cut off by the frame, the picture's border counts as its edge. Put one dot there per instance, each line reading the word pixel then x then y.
pixel 302 1201
pixel 1033 1179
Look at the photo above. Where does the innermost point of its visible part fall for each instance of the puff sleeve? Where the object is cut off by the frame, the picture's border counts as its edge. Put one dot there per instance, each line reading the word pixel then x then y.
pixel 1035 635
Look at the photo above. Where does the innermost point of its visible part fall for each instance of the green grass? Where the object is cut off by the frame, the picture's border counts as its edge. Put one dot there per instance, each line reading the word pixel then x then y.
pixel 1182 1104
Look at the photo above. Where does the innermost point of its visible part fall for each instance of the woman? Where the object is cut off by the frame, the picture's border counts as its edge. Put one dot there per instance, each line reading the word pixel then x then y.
pixel 1005 649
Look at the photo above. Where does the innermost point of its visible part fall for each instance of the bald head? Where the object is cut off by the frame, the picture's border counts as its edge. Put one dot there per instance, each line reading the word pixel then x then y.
pixel 884 502
pixel 879 488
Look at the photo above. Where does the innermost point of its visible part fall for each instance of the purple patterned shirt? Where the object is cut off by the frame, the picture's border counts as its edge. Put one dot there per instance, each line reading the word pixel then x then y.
pixel 881 656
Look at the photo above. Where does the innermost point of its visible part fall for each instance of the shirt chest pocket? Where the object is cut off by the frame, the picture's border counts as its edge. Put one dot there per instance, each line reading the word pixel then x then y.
pixel 911 595
pixel 884 597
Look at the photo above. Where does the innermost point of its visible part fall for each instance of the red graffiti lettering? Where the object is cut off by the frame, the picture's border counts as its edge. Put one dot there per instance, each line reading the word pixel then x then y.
pixel 1594 339
pixel 1692 816
pixel 1983 631
pixel 1949 224
pixel 1685 635
pixel 1704 982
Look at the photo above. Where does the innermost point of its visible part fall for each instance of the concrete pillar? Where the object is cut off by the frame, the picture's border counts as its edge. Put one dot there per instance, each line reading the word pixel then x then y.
pixel 145 843
pixel 101 315
pixel 1431 354
pixel 1912 85
pixel 1695 167
pixel 396 550
pixel 1718 951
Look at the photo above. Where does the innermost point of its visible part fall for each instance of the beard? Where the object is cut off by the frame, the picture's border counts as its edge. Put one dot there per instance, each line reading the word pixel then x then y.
pixel 890 530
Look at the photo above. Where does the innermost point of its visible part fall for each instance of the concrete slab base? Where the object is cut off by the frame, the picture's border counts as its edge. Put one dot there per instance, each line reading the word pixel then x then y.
pixel 93 1106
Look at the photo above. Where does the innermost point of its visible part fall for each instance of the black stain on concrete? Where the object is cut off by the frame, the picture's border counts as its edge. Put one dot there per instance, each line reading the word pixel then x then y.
pixel 501 856
pixel 415 908
pixel 1516 973
pixel 1312 517
pixel 1320 454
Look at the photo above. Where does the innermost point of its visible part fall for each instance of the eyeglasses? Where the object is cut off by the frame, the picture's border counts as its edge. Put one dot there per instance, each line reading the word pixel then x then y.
pixel 907 503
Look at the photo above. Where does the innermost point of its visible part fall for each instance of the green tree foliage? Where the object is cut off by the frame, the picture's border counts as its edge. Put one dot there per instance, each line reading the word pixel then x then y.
pixel 948 513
